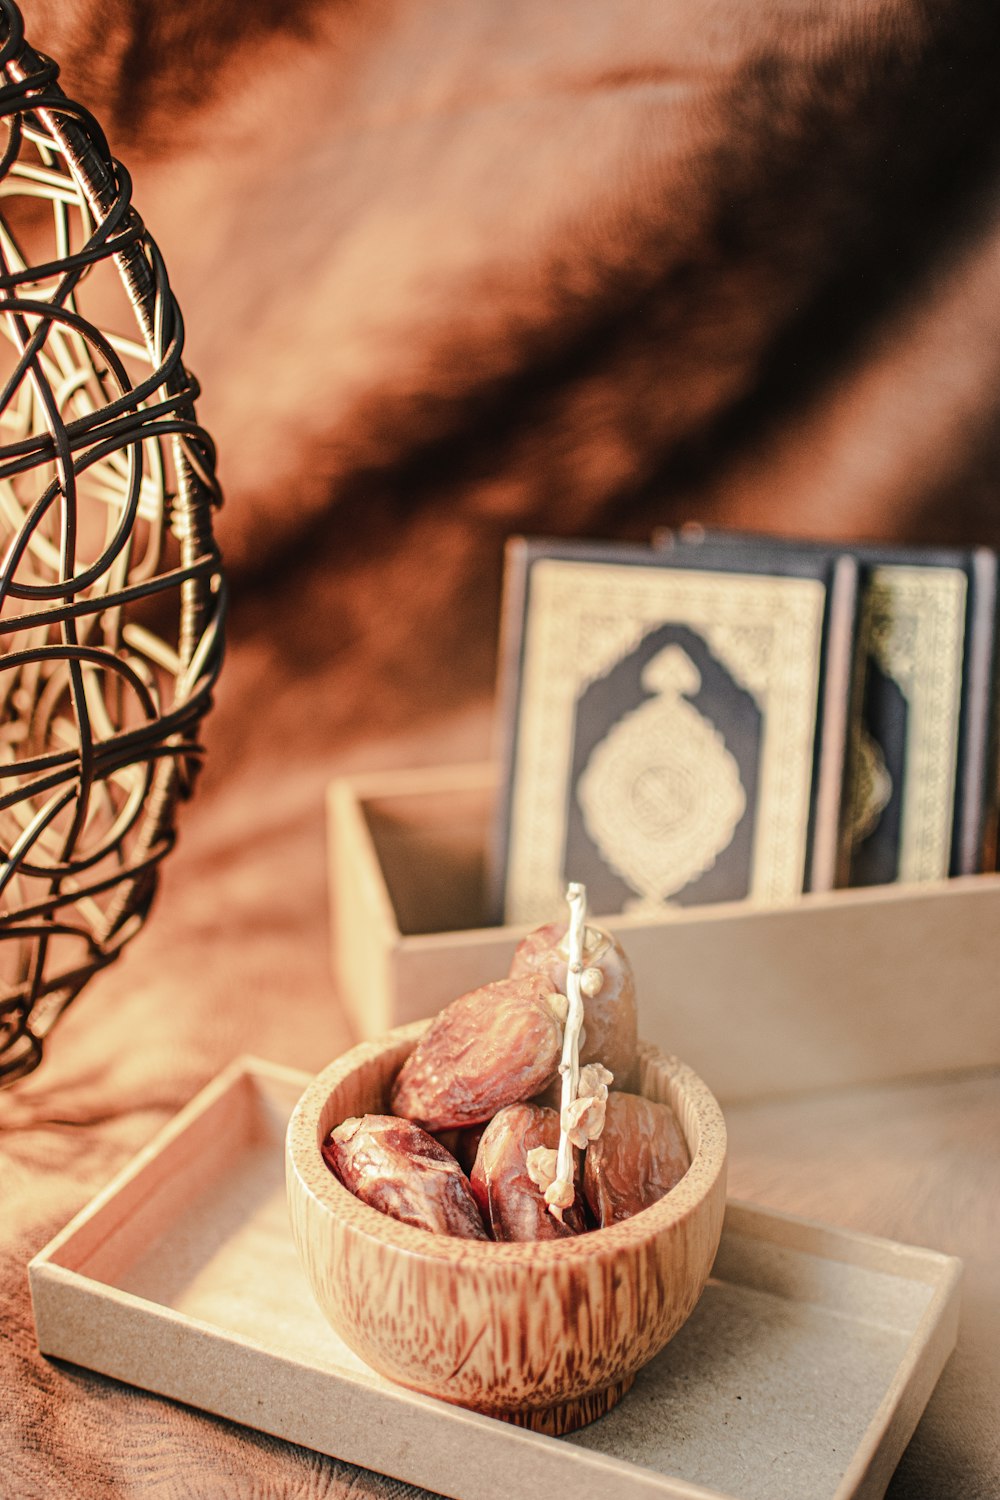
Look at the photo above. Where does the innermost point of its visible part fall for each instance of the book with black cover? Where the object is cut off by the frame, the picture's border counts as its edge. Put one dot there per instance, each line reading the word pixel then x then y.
pixel 675 725
pixel 923 758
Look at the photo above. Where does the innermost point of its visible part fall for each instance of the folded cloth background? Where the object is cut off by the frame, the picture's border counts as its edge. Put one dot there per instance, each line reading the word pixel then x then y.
pixel 456 269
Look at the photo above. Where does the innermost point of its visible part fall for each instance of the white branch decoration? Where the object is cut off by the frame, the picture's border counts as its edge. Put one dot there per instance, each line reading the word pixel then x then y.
pixel 560 1193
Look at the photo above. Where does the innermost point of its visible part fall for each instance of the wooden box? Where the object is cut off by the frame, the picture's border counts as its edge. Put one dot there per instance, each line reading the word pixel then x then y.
pixel 853 987
pixel 803 1370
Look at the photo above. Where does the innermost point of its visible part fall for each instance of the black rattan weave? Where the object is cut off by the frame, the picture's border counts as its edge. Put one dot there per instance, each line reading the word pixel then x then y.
pixel 111 597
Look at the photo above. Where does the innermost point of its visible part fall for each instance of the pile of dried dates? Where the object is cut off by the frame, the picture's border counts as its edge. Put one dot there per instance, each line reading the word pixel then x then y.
pixel 470 1146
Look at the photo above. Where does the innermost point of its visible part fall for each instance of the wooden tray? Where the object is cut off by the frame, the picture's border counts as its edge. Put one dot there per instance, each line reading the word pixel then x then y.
pixel 833 990
pixel 803 1370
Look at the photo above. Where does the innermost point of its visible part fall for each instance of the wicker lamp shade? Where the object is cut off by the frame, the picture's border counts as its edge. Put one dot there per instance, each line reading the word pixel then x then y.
pixel 111 597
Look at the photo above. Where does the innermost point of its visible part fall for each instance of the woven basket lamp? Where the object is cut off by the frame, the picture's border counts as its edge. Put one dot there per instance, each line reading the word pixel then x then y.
pixel 111 598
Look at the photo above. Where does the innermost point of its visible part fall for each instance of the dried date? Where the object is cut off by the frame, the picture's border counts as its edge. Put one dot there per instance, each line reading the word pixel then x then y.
pixel 609 1012
pixel 463 1144
pixel 396 1167
pixel 640 1155
pixel 490 1048
pixel 512 1203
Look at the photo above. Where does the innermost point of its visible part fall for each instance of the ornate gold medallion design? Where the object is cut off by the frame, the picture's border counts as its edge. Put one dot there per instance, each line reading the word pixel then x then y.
pixel 661 795
pixel 872 788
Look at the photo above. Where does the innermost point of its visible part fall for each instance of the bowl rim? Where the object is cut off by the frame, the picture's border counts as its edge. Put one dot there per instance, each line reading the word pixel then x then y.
pixel 303 1157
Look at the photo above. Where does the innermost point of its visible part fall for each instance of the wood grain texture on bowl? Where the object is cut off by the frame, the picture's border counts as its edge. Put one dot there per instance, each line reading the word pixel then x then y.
pixel 549 1334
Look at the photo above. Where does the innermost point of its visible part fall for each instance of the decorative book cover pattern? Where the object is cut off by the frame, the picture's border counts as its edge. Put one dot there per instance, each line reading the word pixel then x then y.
pixel 923 768
pixel 666 735
pixel 905 757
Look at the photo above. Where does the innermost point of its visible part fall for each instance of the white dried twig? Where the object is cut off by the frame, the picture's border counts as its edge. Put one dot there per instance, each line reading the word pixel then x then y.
pixel 584 1118
pixel 541 1164
pixel 560 1194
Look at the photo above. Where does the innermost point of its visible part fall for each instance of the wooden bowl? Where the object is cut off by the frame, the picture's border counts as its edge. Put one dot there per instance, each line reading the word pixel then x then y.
pixel 546 1334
